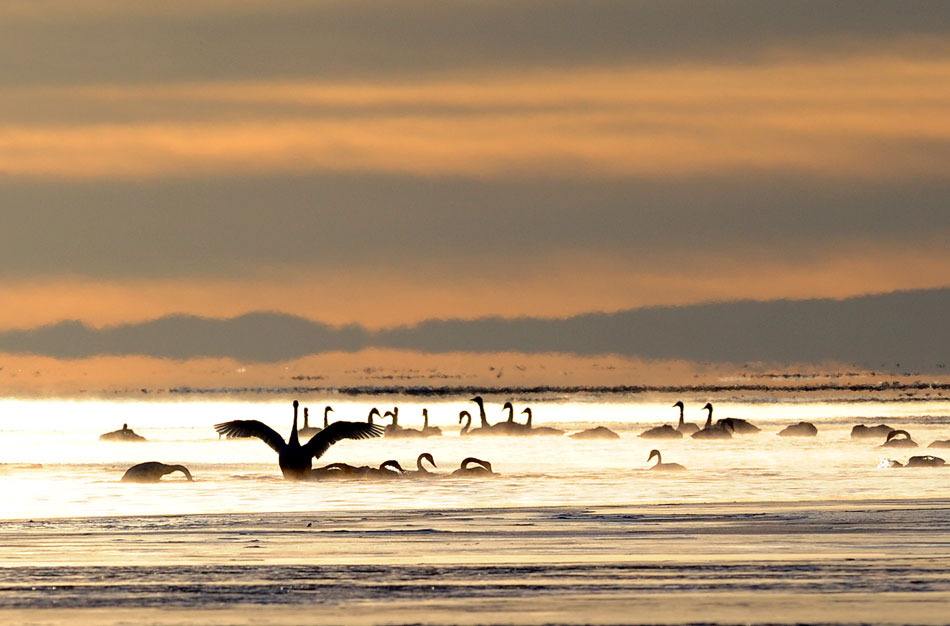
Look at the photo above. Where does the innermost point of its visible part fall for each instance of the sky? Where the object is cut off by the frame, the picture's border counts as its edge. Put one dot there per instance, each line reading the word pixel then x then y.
pixel 380 165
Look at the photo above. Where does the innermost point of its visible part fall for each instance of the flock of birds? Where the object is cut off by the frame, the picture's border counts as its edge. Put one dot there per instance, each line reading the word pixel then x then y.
pixel 295 459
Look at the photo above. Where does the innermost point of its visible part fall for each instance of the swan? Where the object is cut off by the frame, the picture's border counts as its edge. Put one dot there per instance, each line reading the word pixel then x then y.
pixel 940 443
pixel 510 426
pixel 395 430
pixel 925 461
pixel 711 431
pixel 665 431
pixel 123 434
pixel 661 466
pixel 540 430
pixel 421 471
pixel 898 439
pixel 801 429
pixel 429 431
pixel 152 472
pixel 482 468
pixel 296 460
pixel 600 432
pixel 739 426
pixel 387 470
pixel 870 432
pixel 467 427
pixel 485 427
pixel 683 426
pixel 308 430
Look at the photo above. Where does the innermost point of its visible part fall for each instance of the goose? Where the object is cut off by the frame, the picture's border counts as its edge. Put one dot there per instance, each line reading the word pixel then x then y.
pixel 898 439
pixel 940 443
pixel 421 471
pixel 123 434
pixel 540 430
pixel 429 431
pixel 296 460
pixel 683 426
pixel 801 429
pixel 713 431
pixel 599 432
pixel 661 466
pixel 482 468
pixel 395 430
pixel 870 432
pixel 308 430
pixel 152 472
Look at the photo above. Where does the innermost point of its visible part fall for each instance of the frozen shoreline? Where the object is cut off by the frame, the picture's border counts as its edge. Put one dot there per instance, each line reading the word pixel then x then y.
pixel 870 561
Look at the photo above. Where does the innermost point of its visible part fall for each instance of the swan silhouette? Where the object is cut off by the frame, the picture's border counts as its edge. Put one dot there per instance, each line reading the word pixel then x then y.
pixel 540 430
pixel 296 460
pixel 395 430
pixel 713 431
pixel 467 427
pixel 123 434
pixel 152 472
pixel 308 430
pixel 898 439
pixel 421 471
pixel 665 431
pixel 429 431
pixel 801 429
pixel 482 468
pixel 870 432
pixel 683 426
pixel 598 432
pixel 661 466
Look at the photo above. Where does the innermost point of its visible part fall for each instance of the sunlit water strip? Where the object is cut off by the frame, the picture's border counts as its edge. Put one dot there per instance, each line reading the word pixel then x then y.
pixel 79 474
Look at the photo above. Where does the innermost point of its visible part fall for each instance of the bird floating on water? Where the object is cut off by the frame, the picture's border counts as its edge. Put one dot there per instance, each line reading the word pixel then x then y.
pixel 482 468
pixel 713 431
pixel 661 466
pixel 152 472
pixel 296 460
pixel 123 434
pixel 310 431
pixel 801 429
pixel 683 426
pixel 898 439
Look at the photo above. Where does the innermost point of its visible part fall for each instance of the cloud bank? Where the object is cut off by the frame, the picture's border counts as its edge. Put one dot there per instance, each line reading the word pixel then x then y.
pixel 899 331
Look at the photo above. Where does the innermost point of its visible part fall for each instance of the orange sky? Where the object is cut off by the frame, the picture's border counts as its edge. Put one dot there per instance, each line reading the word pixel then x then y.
pixel 386 164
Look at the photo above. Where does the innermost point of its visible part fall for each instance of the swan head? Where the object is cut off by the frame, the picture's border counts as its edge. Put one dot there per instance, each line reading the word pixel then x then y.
pixel 679 403
pixel 425 456
pixel 707 407
pixel 463 415
pixel 477 400
pixel 653 453
pixel 296 404
pixel 327 409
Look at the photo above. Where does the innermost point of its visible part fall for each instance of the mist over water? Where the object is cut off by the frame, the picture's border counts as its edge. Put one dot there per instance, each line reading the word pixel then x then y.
pixel 80 475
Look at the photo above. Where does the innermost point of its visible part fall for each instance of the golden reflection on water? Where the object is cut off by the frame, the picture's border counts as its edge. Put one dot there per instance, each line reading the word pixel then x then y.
pixel 79 474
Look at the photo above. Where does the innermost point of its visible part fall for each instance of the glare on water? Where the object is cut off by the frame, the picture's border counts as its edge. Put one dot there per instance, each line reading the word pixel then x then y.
pixel 80 474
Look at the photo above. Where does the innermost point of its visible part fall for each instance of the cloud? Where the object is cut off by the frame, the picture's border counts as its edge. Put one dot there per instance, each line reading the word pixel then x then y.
pixel 109 41
pixel 893 331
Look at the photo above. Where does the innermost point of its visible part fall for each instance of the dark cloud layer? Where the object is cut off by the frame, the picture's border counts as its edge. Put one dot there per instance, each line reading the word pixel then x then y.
pixel 228 227
pixel 900 331
pixel 371 39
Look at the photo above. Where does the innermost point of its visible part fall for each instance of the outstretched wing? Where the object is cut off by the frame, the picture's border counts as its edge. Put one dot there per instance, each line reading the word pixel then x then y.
pixel 252 428
pixel 336 431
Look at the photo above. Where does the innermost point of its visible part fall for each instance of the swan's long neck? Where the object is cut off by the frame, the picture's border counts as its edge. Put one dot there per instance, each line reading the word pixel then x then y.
pixel 425 418
pixel 682 420
pixel 659 457
pixel 294 441
pixel 425 456
pixel 306 418
pixel 183 470
pixel 468 421
pixel 511 412
pixel 481 413
pixel 528 423
pixel 326 416
pixel 709 417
